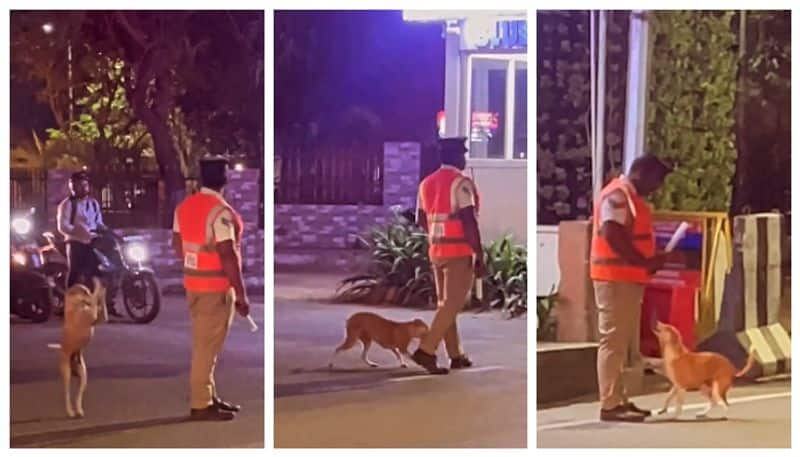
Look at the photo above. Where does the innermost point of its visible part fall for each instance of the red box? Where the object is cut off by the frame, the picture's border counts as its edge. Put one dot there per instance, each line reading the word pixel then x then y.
pixel 671 304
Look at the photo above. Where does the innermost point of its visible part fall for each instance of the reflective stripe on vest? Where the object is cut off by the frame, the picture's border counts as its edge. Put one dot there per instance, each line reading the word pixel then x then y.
pixel 445 230
pixel 202 268
pixel 605 264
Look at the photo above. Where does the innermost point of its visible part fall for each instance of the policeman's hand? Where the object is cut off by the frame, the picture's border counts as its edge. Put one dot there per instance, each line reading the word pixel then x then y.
pixel 480 268
pixel 656 262
pixel 242 306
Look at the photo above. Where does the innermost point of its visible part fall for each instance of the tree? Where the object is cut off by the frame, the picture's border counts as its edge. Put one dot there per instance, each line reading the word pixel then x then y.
pixel 188 77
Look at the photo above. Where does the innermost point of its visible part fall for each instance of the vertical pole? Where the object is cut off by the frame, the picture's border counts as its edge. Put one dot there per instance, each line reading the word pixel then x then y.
pixel 593 103
pixel 636 90
pixel 452 77
pixel 69 79
pixel 601 103
pixel 509 120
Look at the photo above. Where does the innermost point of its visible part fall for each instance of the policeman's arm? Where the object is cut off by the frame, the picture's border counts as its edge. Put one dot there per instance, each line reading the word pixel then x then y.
pixel 621 242
pixel 467 213
pixel 177 244
pixel 230 265
pixel 471 231
pixel 422 219
pixel 225 237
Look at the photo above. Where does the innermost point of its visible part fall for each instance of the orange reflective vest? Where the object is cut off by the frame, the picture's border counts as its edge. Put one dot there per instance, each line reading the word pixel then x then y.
pixel 438 200
pixel 202 266
pixel 605 264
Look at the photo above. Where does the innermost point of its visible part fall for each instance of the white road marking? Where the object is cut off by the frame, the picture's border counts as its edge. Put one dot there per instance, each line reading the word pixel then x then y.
pixel 732 401
pixel 468 370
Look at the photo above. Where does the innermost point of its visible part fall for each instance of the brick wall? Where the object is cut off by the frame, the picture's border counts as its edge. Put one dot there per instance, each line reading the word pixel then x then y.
pixel 321 227
pixel 242 193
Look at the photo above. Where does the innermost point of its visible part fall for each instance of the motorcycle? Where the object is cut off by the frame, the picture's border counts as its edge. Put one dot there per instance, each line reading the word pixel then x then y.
pixel 123 265
pixel 32 294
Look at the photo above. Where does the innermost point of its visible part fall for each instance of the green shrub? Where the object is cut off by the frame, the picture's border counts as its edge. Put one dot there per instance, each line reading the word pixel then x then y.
pixel 400 272
pixel 546 324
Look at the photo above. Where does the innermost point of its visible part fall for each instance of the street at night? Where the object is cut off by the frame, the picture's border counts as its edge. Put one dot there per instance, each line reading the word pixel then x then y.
pixel 138 388
pixel 389 406
pixel 759 417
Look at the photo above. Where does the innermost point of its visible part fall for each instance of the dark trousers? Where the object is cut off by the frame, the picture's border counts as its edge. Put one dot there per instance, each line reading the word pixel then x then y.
pixel 82 264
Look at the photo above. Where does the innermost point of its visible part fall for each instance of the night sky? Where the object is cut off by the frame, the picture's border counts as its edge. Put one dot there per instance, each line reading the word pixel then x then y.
pixel 376 60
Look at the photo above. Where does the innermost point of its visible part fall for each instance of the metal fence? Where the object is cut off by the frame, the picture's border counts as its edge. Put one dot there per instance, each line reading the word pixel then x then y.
pixel 28 189
pixel 329 175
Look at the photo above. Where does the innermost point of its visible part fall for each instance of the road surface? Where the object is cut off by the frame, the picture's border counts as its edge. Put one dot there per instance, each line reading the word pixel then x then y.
pixel 138 386
pixel 386 407
pixel 759 417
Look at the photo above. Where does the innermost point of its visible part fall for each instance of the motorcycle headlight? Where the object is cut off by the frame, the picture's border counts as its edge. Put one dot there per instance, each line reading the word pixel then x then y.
pixel 21 225
pixel 137 252
pixel 19 258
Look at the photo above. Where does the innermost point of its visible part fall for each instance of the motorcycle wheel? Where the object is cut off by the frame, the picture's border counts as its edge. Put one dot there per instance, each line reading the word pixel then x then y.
pixel 142 297
pixel 37 309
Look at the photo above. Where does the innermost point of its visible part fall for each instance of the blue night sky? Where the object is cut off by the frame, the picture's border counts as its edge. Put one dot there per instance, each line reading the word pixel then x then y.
pixel 376 60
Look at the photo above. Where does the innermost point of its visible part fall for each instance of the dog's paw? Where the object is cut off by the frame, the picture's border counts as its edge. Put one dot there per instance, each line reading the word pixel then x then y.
pixel 661 412
pixel 79 414
pixel 403 365
pixel 71 414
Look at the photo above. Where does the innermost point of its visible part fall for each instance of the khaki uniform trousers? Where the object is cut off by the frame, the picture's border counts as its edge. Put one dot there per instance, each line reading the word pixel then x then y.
pixel 212 314
pixel 619 310
pixel 454 278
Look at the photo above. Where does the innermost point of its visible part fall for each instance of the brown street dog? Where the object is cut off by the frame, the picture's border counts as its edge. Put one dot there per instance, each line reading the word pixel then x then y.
pixel 369 327
pixel 83 309
pixel 709 372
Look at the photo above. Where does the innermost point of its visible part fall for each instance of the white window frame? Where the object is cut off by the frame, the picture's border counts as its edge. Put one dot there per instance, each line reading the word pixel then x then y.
pixel 511 60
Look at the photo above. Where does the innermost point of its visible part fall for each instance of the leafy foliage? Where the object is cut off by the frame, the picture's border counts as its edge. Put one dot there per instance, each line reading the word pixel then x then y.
pixel 546 324
pixel 692 91
pixel 400 272
pixel 506 287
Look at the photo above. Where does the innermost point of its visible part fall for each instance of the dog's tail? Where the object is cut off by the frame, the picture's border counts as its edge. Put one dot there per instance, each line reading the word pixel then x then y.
pixel 53 346
pixel 751 360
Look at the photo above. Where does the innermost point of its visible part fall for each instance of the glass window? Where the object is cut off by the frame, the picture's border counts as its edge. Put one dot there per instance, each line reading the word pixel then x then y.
pixel 520 110
pixel 488 105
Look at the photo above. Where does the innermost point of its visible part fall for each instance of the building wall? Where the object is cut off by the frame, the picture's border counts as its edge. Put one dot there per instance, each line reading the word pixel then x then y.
pixel 242 193
pixel 502 185
pixel 321 227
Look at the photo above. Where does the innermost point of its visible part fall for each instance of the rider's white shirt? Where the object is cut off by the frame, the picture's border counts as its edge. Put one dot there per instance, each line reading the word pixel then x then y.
pixel 88 218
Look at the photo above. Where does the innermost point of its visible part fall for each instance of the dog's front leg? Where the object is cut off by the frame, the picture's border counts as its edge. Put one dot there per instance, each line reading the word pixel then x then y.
pixel 679 402
pixel 82 388
pixel 66 375
pixel 366 344
pixel 670 396
pixel 399 356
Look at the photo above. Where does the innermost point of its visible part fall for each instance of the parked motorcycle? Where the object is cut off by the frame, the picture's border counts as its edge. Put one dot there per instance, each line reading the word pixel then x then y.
pixel 123 265
pixel 31 290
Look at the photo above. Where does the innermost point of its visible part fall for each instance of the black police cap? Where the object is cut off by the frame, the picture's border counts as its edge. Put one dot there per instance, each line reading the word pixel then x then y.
pixel 79 176
pixel 457 144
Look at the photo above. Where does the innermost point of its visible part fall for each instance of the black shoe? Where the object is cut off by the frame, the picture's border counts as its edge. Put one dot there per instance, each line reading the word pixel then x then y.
pixel 428 362
pixel 211 413
pixel 225 406
pixel 620 414
pixel 459 362
pixel 633 408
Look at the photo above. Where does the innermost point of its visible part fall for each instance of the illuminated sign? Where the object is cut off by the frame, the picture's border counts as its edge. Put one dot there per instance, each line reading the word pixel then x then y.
pixel 487 34
pixel 451 15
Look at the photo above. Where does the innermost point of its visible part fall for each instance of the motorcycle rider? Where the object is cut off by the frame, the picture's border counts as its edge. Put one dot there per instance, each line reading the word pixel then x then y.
pixel 80 220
